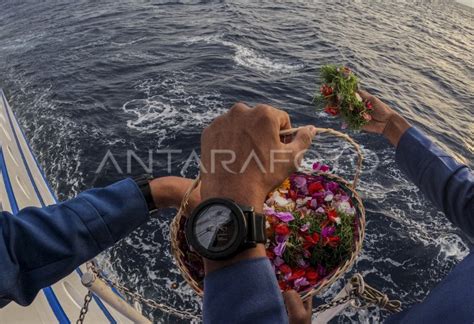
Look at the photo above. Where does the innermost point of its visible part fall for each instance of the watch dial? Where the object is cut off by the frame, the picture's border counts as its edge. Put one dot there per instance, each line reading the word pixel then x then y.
pixel 215 228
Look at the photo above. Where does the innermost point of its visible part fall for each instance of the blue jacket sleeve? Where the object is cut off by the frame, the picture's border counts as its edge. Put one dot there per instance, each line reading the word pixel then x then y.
pixel 246 292
pixel 447 184
pixel 39 246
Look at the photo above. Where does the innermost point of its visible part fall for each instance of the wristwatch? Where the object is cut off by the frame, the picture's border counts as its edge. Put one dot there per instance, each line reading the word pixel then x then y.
pixel 219 228
pixel 143 183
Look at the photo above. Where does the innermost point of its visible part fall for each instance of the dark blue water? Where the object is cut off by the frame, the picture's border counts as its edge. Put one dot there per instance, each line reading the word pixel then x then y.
pixel 86 78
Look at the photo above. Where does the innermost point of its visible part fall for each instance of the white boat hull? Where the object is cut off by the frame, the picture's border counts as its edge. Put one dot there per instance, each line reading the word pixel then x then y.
pixel 22 184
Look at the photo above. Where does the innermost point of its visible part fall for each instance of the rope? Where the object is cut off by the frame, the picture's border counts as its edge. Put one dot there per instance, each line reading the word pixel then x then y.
pixel 365 295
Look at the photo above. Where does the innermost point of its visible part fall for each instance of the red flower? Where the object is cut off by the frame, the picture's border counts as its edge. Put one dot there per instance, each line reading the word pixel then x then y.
pixel 368 105
pixel 332 241
pixel 293 195
pixel 331 110
pixel 332 215
pixel 315 187
pixel 311 240
pixel 326 90
pixel 285 268
pixel 298 273
pixel 270 254
pixel 312 275
pixel 283 285
pixel 282 229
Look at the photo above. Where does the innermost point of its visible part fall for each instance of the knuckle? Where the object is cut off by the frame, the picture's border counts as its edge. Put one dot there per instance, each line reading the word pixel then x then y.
pixel 238 107
pixel 263 110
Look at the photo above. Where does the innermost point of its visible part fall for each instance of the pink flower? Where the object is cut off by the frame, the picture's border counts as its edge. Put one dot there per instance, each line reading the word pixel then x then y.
pixel 279 249
pixel 327 231
pixel 285 216
pixel 300 181
pixel 324 168
pixel 302 263
pixel 320 167
pixel 278 261
pixel 304 228
pixel 301 282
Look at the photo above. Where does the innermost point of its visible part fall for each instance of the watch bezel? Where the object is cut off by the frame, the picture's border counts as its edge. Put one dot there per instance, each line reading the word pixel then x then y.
pixel 241 222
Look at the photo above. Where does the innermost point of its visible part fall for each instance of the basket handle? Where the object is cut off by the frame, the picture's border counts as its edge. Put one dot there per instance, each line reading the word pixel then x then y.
pixel 340 135
pixel 290 131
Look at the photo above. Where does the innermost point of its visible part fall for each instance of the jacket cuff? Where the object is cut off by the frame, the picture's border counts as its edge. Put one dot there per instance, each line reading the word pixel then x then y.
pixel 250 288
pixel 111 213
pixel 415 151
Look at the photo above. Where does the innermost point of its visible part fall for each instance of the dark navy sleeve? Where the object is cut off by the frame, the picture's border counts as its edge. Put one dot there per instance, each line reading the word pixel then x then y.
pixel 39 246
pixel 448 184
pixel 246 292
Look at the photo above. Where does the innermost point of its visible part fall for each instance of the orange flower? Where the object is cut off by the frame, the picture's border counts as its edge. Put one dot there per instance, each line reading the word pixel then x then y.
pixel 286 184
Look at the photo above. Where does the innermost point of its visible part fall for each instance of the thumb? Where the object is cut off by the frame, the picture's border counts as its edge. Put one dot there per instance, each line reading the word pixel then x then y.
pixel 294 305
pixel 302 140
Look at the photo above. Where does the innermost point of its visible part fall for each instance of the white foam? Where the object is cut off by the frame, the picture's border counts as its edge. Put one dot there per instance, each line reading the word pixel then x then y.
pixel 172 111
pixel 250 58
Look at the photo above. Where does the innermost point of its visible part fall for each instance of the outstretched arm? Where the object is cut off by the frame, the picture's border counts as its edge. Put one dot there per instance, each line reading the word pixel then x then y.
pixel 444 181
pixel 39 246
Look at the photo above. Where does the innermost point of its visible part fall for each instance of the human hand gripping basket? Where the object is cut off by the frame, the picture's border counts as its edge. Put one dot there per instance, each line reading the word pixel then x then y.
pixel 315 228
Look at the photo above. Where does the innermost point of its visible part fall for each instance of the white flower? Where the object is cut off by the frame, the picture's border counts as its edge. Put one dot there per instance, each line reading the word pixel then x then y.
pixel 329 197
pixel 279 200
pixel 302 201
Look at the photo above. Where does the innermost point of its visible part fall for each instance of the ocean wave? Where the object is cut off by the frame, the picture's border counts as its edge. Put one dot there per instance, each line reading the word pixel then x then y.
pixel 172 112
pixel 250 58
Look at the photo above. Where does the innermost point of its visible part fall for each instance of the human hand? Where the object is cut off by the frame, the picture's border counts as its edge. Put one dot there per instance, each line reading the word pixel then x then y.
pixel 299 312
pixel 385 120
pixel 168 192
pixel 242 157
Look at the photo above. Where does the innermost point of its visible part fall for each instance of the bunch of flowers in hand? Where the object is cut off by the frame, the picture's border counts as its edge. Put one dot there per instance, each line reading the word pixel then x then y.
pixel 340 97
pixel 310 229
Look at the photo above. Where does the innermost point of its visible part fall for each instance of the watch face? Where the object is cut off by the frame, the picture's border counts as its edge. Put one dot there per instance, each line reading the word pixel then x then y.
pixel 216 228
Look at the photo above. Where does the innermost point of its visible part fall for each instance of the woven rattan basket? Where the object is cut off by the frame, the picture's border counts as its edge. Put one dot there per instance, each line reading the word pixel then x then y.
pixel 190 263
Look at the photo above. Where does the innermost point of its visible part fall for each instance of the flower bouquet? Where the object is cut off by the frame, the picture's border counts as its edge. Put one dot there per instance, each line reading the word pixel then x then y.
pixel 339 94
pixel 315 228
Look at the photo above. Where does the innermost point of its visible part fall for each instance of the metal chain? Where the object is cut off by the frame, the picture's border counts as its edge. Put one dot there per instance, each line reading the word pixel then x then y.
pixel 85 308
pixel 335 303
pixel 359 291
pixel 135 296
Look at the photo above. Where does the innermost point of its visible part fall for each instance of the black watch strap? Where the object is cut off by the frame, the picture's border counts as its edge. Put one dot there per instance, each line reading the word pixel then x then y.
pixel 256 227
pixel 143 182
pixel 260 228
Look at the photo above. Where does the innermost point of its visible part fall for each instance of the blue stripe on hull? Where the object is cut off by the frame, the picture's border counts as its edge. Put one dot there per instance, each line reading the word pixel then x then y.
pixel 8 185
pixel 50 296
